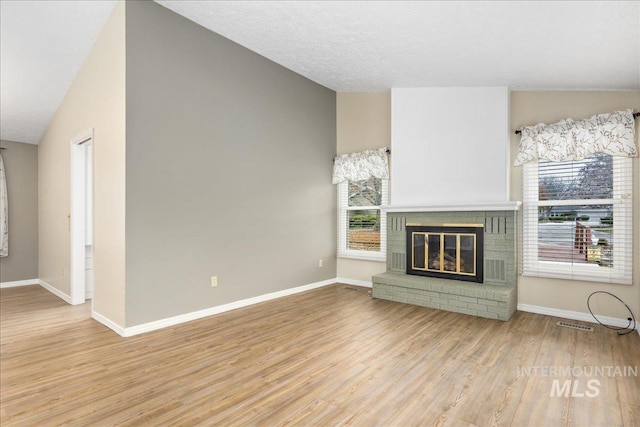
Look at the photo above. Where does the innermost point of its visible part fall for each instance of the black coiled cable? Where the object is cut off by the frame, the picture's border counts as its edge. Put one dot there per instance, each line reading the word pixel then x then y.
pixel 628 328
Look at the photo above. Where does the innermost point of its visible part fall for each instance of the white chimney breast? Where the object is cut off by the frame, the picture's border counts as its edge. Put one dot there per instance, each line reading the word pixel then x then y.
pixel 449 145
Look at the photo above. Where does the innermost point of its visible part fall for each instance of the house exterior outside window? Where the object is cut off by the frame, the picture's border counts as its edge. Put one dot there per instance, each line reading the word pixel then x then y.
pixel 577 219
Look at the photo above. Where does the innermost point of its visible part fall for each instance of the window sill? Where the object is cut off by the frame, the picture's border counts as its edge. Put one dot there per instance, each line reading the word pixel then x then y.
pixel 359 257
pixel 584 273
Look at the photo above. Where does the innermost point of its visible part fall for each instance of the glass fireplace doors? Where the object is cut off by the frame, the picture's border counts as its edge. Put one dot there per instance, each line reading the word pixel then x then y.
pixel 447 251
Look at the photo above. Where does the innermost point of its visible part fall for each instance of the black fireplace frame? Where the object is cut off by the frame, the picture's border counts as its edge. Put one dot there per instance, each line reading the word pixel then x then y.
pixel 476 229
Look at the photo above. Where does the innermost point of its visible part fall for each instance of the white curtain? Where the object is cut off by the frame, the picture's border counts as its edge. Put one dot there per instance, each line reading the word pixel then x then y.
pixel 4 212
pixel 361 166
pixel 610 133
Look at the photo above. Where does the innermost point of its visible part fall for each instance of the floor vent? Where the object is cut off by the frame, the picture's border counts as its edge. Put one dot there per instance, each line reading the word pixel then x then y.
pixel 574 326
pixel 346 288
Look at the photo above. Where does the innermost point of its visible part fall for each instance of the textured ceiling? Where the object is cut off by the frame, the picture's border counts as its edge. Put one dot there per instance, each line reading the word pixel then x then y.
pixel 348 46
pixel 376 45
pixel 42 47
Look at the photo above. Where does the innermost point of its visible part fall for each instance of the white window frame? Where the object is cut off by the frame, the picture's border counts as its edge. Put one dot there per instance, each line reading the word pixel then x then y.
pixel 622 203
pixel 343 208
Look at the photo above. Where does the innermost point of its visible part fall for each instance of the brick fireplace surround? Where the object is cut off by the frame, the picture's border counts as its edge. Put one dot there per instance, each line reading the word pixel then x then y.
pixel 496 298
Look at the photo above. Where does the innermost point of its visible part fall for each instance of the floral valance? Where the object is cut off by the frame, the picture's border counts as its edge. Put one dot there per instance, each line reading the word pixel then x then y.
pixel 361 166
pixel 610 133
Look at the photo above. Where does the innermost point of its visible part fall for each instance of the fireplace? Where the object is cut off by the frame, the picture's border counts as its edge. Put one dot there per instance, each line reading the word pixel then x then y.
pixel 484 233
pixel 449 251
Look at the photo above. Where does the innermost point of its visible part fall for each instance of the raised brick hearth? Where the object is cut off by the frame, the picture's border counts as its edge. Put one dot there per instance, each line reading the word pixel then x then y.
pixel 495 298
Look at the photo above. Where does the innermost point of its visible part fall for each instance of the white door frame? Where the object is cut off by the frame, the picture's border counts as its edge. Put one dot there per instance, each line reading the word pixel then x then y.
pixel 78 213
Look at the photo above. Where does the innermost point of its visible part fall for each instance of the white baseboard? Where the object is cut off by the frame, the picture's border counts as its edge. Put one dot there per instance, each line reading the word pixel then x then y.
pixel 17 283
pixel 354 282
pixel 108 323
pixel 66 298
pixel 187 317
pixel 575 315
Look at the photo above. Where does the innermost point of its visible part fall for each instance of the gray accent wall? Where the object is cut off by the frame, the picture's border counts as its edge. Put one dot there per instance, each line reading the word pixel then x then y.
pixel 229 160
pixel 21 164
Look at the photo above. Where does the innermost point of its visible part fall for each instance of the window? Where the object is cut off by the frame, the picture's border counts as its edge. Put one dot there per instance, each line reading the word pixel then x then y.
pixel 361 224
pixel 578 219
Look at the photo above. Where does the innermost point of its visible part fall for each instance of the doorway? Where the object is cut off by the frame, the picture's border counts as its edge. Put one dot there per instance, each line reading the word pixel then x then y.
pixel 82 217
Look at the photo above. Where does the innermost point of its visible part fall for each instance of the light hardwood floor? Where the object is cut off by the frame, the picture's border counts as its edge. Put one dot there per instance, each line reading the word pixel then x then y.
pixel 331 356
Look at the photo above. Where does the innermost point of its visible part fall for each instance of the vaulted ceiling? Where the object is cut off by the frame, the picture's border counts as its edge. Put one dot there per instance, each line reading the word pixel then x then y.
pixel 347 46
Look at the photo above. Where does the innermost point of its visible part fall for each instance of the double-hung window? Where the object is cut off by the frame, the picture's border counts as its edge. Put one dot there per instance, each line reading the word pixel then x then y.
pixel 361 223
pixel 577 219
pixel 362 180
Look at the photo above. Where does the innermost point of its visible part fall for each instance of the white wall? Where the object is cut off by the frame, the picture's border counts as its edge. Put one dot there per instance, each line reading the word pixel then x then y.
pixel 449 145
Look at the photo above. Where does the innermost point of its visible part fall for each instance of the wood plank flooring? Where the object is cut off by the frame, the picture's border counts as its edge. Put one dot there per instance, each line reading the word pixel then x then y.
pixel 331 356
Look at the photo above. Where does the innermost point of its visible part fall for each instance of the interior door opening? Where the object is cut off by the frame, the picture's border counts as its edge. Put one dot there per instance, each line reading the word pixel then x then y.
pixel 82 282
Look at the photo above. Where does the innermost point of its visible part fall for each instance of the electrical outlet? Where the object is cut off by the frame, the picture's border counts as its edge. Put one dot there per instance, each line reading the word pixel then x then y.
pixel 319 263
pixel 214 281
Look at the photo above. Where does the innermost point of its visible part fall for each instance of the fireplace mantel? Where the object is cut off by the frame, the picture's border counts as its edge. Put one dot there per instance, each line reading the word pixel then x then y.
pixel 461 207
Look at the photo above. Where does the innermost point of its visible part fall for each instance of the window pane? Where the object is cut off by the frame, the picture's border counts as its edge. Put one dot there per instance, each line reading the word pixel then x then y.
pixel 434 252
pixel 363 230
pixel 450 252
pixel 419 246
pixel 467 253
pixel 591 178
pixel 365 193
pixel 586 239
pixel 575 234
